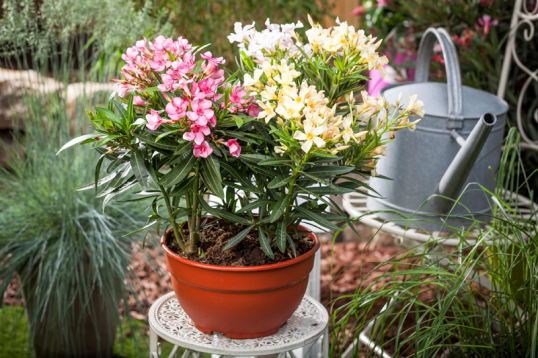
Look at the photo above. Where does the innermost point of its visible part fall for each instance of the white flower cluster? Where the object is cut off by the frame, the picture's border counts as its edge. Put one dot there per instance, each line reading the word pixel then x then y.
pixel 274 37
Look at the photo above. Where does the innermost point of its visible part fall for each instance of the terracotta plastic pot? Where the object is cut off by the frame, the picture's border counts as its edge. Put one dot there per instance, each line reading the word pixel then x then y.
pixel 241 302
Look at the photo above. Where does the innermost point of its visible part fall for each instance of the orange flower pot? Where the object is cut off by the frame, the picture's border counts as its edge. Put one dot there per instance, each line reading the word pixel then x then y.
pixel 241 302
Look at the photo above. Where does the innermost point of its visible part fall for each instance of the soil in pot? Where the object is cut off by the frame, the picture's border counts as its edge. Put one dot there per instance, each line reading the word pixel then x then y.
pixel 247 253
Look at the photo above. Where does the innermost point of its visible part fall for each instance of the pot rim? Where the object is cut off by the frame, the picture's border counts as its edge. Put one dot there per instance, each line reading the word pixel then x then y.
pixel 279 265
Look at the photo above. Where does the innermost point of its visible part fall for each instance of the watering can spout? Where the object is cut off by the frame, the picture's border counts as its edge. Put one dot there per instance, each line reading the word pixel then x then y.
pixel 456 174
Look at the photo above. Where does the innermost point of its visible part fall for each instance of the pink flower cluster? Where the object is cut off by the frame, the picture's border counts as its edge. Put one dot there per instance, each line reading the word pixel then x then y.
pixel 193 95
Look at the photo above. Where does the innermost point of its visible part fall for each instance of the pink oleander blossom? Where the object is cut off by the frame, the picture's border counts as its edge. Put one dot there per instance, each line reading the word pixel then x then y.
pixel 159 61
pixel 141 45
pixel 161 44
pixel 130 55
pixel 358 11
pixel 154 120
pixel 237 96
pixel 253 110
pixel 177 109
pixel 234 147
pixel 197 133
pixel 138 101
pixel 203 150
pixel 486 21
pixel 124 90
pixel 200 111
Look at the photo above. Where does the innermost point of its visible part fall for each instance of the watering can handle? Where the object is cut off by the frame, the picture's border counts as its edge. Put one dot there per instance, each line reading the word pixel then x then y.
pixel 452 68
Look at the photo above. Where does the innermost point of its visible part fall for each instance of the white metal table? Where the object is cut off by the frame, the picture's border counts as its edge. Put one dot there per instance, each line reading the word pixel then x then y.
pixel 168 321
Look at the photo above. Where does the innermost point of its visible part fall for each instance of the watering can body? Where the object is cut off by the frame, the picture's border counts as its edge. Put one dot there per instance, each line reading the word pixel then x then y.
pixel 418 161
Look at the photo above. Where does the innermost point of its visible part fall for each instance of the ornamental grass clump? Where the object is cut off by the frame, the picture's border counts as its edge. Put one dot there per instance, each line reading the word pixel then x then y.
pixel 276 137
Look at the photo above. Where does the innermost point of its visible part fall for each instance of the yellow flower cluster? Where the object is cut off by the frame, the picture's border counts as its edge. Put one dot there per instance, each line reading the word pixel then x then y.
pixel 346 39
pixel 314 122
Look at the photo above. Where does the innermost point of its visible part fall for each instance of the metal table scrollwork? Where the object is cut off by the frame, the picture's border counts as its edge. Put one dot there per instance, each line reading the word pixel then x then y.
pixel 168 321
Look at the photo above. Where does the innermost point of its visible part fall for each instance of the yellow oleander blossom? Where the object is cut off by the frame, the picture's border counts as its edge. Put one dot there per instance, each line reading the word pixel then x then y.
pixel 268 111
pixel 310 136
pixel 289 109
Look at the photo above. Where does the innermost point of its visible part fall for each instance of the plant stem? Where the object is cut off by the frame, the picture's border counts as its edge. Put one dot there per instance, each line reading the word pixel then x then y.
pixel 194 222
pixel 288 209
pixel 175 228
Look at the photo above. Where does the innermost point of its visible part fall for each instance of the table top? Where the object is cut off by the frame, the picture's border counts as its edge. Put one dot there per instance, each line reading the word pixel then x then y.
pixel 170 322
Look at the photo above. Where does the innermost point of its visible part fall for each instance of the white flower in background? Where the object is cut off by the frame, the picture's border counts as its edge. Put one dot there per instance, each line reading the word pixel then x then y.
pixel 241 33
pixel 268 111
pixel 252 42
pixel 310 136
pixel 289 109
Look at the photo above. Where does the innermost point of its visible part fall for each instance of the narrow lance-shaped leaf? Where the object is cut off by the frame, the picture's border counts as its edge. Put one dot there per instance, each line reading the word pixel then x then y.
pixel 179 172
pixel 77 140
pixel 281 235
pixel 280 181
pixel 265 244
pixel 139 168
pixel 211 175
pixel 256 204
pixel 280 207
pixel 237 238
pixel 318 219
pixel 98 170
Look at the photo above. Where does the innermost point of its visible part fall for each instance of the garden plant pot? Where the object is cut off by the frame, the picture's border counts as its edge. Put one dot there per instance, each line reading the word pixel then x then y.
pixel 94 333
pixel 241 302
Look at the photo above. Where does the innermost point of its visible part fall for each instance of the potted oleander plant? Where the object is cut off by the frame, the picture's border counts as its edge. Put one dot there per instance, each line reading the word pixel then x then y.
pixel 266 144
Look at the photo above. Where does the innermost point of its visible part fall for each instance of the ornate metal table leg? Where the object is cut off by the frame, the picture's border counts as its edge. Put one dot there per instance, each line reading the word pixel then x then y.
pixel 153 344
pixel 325 343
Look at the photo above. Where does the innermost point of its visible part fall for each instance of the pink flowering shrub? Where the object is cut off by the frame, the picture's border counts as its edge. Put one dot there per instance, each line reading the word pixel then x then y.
pixel 191 90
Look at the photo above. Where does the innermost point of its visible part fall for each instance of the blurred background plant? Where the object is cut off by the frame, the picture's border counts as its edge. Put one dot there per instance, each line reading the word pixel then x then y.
pixel 480 29
pixel 474 300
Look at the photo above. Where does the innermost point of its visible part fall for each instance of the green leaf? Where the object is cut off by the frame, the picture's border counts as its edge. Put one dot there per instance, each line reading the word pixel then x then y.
pixel 110 115
pixel 279 181
pixel 122 188
pixel 280 207
pixel 319 180
pixel 230 169
pixel 182 187
pixel 327 171
pixel 151 89
pixel 183 148
pixel 221 213
pixel 150 224
pixel 256 204
pixel 116 181
pixel 336 190
pixel 275 161
pixel 99 183
pixel 292 245
pixel 254 158
pixel 318 219
pixel 237 238
pixel 77 140
pixel 281 235
pixel 265 244
pixel 211 175
pixel 164 143
pixel 139 168
pixel 98 170
pixel 179 172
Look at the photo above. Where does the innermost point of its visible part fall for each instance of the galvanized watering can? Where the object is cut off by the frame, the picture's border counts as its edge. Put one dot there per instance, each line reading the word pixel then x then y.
pixel 456 142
